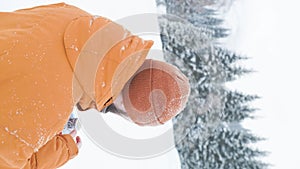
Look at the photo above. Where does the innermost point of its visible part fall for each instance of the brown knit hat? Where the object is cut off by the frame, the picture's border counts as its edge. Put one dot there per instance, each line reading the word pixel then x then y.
pixel 157 92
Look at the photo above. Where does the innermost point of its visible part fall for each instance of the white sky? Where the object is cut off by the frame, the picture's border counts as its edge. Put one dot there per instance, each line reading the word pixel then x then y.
pixel 268 32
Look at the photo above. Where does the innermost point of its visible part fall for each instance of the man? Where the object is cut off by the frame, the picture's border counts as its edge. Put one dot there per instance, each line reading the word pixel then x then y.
pixel 52 58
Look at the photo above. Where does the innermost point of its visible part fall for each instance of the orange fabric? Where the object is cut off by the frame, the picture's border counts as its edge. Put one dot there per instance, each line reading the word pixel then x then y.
pixel 39 83
pixel 112 54
pixel 62 149
pixel 157 92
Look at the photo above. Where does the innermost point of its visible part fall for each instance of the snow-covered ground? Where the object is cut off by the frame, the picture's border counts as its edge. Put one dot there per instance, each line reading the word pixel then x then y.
pixel 268 32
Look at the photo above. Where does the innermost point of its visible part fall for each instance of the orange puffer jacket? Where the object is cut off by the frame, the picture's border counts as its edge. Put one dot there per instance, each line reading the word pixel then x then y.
pixel 52 58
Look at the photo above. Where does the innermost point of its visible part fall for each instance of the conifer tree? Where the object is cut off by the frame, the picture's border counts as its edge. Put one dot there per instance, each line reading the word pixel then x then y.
pixel 208 133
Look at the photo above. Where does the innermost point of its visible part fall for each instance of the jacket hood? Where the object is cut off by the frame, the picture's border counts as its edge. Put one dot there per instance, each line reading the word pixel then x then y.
pixel 103 56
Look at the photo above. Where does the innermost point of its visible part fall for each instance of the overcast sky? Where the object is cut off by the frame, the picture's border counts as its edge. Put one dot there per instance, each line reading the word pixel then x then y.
pixel 268 32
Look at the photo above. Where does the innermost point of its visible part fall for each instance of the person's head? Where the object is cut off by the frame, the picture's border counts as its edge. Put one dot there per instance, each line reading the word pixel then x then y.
pixel 101 77
pixel 157 92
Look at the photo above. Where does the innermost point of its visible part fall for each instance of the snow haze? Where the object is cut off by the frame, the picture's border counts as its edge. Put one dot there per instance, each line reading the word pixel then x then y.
pixel 268 32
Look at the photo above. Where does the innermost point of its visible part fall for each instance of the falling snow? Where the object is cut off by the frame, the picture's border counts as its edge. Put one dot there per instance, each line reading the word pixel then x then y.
pixel 14 133
pixel 123 48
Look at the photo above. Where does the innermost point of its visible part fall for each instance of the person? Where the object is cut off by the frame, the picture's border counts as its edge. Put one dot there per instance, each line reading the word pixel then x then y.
pixel 55 57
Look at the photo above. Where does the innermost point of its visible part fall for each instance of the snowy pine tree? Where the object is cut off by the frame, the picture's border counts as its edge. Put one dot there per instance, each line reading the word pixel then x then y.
pixel 207 133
